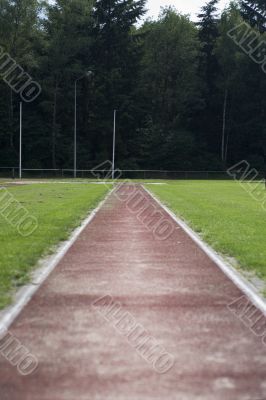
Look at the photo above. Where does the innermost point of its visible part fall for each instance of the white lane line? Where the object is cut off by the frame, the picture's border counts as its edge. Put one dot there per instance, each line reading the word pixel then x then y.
pixel 47 265
pixel 228 269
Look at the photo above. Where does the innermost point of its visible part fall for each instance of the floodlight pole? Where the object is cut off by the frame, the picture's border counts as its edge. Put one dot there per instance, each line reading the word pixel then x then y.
pixel 75 132
pixel 113 166
pixel 20 141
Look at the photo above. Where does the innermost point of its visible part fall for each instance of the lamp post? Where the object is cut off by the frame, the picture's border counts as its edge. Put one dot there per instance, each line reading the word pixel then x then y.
pixel 88 75
pixel 20 141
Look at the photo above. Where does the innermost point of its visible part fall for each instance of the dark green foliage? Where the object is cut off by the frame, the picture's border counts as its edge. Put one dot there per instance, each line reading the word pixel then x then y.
pixel 254 11
pixel 187 96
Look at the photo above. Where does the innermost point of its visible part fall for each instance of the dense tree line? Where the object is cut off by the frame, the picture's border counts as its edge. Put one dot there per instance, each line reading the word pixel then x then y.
pixel 187 95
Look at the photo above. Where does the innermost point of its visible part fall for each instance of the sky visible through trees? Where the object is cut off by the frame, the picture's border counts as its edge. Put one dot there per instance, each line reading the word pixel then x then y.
pixel 187 7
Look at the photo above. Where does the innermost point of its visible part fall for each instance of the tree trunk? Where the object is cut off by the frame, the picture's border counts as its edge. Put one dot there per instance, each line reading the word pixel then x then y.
pixel 11 120
pixel 226 147
pixel 54 128
pixel 224 124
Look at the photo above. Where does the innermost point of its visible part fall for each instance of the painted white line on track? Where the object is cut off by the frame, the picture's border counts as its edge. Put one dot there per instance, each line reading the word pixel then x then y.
pixel 47 265
pixel 228 269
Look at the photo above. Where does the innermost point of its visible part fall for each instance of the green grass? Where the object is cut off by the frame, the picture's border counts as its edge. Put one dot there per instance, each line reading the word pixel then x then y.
pixel 58 209
pixel 226 216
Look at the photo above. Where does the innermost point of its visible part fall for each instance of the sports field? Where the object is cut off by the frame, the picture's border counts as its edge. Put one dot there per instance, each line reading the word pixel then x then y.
pixel 225 214
pixel 58 209
pixel 130 314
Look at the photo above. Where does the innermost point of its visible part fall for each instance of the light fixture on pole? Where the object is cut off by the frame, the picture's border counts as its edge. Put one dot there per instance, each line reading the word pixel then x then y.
pixel 114 134
pixel 88 74
pixel 20 140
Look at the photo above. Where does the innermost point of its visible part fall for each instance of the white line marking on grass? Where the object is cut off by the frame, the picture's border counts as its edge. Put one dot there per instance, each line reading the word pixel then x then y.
pixel 21 183
pixel 228 269
pixel 47 265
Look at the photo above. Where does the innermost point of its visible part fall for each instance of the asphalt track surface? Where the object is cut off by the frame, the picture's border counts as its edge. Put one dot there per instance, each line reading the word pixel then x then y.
pixel 168 288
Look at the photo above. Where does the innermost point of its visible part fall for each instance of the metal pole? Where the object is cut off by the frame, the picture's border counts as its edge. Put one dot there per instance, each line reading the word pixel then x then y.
pixel 20 142
pixel 113 169
pixel 75 133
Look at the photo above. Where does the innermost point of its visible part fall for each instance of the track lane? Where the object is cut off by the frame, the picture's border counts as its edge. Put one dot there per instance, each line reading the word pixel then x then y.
pixel 170 287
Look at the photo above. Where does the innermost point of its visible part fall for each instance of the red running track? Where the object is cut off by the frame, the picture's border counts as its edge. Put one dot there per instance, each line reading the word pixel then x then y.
pixel 169 287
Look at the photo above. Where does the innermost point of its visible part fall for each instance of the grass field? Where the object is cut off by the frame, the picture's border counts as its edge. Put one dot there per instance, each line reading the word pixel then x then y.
pixel 226 216
pixel 58 209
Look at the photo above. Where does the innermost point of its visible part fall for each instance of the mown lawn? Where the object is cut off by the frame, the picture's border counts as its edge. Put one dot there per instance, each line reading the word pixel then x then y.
pixel 226 216
pixel 58 209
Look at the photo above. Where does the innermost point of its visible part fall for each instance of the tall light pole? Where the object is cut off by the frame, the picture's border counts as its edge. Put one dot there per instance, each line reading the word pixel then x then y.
pixel 87 74
pixel 20 141
pixel 113 166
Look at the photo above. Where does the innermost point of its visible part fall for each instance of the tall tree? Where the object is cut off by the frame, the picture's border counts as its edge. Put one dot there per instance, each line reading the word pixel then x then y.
pixel 170 85
pixel 209 71
pixel 254 11
pixel 230 57
pixel 116 63
pixel 68 55
pixel 208 34
pixel 19 25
